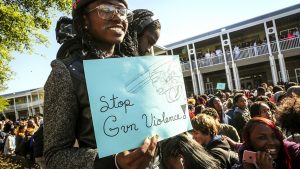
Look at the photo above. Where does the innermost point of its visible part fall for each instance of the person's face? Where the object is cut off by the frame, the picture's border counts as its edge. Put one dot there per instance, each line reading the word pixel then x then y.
pixel 217 104
pixel 174 163
pixel 242 102
pixel 264 85
pixel 200 137
pixel 105 31
pixel 147 40
pixel 30 123
pixel 265 111
pixel 263 138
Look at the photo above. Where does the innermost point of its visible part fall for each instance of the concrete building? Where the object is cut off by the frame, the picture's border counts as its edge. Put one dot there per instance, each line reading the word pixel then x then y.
pixel 243 55
pixel 24 104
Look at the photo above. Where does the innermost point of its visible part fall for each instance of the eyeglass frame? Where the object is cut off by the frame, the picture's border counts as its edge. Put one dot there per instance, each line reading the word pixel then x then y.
pixel 129 13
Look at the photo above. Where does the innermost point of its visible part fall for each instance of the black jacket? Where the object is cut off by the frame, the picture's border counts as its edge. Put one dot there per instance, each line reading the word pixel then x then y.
pixel 219 148
pixel 67 115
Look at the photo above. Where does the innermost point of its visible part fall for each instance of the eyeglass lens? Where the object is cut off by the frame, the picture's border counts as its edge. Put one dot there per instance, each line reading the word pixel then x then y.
pixel 108 12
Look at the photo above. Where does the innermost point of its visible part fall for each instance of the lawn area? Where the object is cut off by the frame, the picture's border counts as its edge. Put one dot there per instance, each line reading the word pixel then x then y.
pixel 16 162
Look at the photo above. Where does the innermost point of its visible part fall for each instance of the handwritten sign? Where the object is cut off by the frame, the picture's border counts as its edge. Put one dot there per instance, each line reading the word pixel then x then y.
pixel 221 86
pixel 133 98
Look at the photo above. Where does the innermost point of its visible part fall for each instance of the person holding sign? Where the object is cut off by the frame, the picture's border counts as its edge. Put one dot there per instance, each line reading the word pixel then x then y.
pixel 99 26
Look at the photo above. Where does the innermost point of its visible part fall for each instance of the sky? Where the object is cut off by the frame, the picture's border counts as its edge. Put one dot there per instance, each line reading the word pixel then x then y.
pixel 180 19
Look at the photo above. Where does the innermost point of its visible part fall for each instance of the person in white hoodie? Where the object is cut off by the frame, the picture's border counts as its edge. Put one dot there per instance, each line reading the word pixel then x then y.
pixel 10 143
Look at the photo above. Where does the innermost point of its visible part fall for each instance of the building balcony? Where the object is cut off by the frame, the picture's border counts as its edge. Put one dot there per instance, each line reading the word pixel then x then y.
pixel 23 106
pixel 258 52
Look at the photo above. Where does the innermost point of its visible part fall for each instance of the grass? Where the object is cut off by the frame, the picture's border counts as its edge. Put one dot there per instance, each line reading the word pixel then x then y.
pixel 16 162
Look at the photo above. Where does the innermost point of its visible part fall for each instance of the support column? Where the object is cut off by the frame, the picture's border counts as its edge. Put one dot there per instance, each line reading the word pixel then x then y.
pixel 31 104
pixel 227 69
pixel 28 109
pixel 195 88
pixel 192 52
pixel 39 101
pixel 269 31
pixel 280 55
pixel 15 107
pixel 234 68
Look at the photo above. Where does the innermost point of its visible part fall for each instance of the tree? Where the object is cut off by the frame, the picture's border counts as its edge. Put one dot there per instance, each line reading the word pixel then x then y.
pixel 3 104
pixel 21 22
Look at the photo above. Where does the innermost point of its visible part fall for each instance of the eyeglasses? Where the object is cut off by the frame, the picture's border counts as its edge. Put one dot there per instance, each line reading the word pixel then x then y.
pixel 108 12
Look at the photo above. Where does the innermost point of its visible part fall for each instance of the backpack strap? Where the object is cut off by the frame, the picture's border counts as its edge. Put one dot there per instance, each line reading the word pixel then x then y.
pixel 74 63
pixel 70 53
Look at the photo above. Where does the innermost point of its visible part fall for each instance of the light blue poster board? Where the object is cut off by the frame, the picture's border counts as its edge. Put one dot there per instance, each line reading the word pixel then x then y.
pixel 133 98
pixel 221 86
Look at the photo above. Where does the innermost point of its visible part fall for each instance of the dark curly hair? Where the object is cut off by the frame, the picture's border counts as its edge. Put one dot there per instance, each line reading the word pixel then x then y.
pixel 283 161
pixel 193 154
pixel 289 115
pixel 142 21
pixel 66 32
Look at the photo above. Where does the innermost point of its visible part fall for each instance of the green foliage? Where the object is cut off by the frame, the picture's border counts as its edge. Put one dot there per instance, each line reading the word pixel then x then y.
pixel 21 24
pixel 3 104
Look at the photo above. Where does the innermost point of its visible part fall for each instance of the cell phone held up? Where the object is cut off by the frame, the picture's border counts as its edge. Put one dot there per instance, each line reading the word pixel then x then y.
pixel 249 157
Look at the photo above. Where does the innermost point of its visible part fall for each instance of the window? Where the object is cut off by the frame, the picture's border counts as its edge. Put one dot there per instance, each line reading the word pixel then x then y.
pixel 209 88
pixel 287 76
pixel 285 32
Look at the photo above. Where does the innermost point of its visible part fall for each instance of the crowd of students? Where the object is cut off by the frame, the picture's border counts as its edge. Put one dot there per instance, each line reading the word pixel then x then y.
pixel 18 138
pixel 224 125
pixel 264 120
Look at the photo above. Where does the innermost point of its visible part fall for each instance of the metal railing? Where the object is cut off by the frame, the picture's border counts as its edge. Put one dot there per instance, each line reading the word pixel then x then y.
pixel 249 52
pixel 25 105
pixel 288 44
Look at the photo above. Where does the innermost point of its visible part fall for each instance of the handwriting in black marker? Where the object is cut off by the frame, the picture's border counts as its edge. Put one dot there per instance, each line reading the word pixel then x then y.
pixel 156 121
pixel 115 103
pixel 110 129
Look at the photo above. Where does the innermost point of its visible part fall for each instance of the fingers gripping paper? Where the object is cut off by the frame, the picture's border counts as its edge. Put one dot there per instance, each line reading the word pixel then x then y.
pixel 134 98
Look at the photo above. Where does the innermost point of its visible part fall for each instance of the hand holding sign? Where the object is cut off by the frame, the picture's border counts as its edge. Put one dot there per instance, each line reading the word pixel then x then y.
pixel 140 157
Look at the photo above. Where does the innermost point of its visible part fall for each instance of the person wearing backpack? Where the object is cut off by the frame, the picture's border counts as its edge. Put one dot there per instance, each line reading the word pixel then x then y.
pixel 99 26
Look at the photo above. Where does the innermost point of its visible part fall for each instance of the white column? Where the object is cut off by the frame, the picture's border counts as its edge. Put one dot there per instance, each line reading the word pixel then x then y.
pixel 39 101
pixel 29 114
pixel 234 68
pixel 227 69
pixel 280 56
pixel 271 57
pixel 15 107
pixel 31 104
pixel 195 89
pixel 199 74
